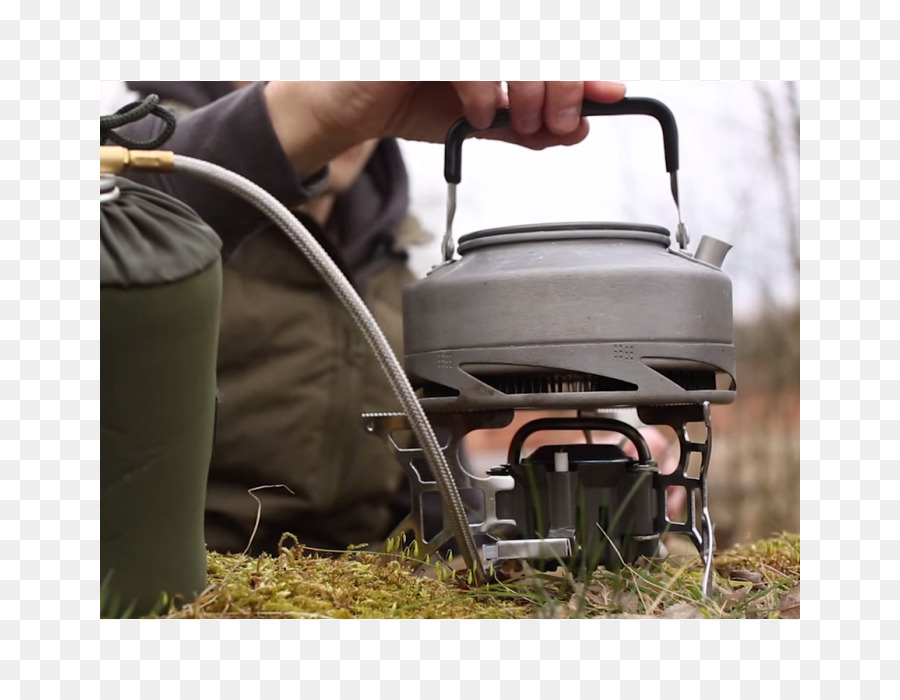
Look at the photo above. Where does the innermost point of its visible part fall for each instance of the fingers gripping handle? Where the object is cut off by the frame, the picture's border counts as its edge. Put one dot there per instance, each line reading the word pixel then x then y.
pixel 629 105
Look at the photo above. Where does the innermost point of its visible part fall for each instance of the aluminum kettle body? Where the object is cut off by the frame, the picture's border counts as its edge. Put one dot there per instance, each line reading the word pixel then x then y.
pixel 594 314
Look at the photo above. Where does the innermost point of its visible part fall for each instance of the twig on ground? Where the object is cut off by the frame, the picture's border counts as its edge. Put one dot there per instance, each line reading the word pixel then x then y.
pixel 259 509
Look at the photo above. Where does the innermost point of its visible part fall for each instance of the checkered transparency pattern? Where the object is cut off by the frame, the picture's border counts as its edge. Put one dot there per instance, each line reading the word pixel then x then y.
pixel 51 57
pixel 467 39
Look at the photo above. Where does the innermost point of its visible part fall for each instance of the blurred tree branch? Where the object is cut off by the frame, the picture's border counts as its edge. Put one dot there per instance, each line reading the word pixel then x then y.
pixel 769 346
pixel 781 161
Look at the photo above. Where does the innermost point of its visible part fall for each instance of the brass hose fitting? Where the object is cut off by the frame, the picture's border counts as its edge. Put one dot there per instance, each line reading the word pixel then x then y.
pixel 115 159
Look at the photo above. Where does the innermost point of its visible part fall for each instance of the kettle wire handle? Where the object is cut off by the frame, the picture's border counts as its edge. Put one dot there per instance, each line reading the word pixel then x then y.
pixel 628 105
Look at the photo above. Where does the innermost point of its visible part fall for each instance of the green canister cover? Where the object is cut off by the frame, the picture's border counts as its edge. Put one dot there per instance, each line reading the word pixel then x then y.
pixel 160 297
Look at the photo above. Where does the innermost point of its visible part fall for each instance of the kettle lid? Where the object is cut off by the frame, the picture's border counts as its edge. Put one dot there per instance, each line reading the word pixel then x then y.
pixel 539 233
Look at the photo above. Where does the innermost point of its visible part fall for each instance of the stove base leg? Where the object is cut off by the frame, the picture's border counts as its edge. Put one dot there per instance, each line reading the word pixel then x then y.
pixel 698 525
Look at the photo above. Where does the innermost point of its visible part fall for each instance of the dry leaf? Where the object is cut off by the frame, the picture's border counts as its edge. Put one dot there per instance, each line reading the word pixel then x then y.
pixel 628 601
pixel 790 604
pixel 598 596
pixel 734 598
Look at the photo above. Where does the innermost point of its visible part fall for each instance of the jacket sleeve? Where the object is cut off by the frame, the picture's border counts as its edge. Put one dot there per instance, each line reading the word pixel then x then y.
pixel 235 132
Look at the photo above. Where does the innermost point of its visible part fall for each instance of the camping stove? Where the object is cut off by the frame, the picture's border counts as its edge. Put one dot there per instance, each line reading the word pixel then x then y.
pixel 581 319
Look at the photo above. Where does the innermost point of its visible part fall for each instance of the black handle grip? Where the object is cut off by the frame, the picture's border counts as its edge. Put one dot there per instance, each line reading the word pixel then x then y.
pixel 629 105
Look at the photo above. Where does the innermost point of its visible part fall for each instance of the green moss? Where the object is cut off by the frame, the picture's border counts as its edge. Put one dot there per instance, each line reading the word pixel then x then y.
pixel 774 558
pixel 354 585
pixel 750 581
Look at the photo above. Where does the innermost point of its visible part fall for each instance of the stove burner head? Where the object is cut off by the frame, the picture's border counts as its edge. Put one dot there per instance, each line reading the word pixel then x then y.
pixel 593 495
pixel 582 505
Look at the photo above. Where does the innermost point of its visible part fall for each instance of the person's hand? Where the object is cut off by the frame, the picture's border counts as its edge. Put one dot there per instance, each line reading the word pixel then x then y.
pixel 317 120
pixel 543 113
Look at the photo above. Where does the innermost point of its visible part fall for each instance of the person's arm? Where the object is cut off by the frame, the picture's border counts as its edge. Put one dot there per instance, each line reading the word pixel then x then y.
pixel 235 132
pixel 316 121
pixel 279 133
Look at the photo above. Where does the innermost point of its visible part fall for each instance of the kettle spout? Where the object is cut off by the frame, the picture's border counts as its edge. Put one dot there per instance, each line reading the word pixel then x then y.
pixel 712 251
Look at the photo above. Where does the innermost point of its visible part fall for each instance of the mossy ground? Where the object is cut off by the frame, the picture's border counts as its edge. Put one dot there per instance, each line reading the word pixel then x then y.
pixel 759 580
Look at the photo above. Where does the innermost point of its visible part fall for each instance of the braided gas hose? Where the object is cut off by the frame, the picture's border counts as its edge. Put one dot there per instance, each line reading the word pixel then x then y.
pixel 314 252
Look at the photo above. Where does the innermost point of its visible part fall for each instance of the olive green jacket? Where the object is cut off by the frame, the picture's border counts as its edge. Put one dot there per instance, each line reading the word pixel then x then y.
pixel 295 374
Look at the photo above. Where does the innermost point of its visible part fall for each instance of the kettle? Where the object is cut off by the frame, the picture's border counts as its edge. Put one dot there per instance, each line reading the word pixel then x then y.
pixel 565 315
